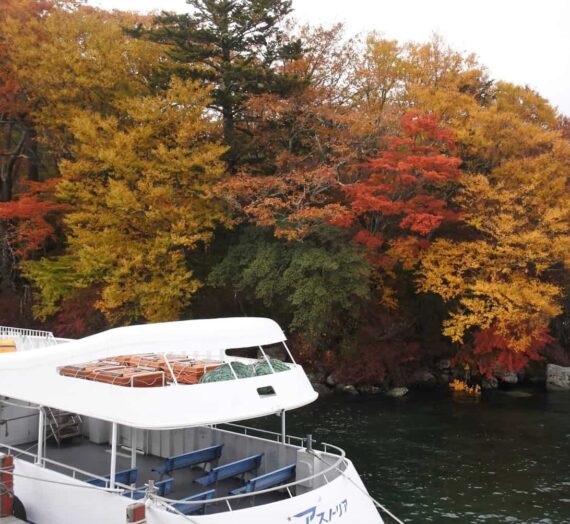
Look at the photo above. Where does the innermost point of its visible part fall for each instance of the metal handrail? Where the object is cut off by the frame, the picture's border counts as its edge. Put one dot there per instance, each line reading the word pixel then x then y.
pixel 278 436
pixel 73 469
pixel 340 459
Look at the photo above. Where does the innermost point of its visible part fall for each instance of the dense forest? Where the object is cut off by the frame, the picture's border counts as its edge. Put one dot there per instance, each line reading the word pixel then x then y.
pixel 389 203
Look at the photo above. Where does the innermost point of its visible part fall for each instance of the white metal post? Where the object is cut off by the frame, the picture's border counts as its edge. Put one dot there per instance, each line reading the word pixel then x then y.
pixel 283 429
pixel 113 456
pixel 266 359
pixel 41 435
pixel 289 353
pixel 167 362
pixel 133 448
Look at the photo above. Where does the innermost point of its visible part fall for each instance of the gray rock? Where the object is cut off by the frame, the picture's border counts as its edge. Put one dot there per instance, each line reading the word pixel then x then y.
pixel 316 377
pixel 423 378
pixel 517 393
pixel 330 381
pixel 510 378
pixel 557 378
pixel 491 383
pixel 397 392
pixel 347 389
pixel 322 390
pixel 444 364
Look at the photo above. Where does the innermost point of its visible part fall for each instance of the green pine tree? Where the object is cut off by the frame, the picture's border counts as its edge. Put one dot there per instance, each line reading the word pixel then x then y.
pixel 232 46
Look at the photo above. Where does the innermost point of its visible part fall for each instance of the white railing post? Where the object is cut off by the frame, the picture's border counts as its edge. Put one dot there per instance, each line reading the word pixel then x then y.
pixel 41 435
pixel 167 362
pixel 133 448
pixel 266 359
pixel 283 427
pixel 233 371
pixel 113 456
pixel 289 353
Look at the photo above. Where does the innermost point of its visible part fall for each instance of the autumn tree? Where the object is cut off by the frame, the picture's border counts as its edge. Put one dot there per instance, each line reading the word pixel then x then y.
pixel 18 148
pixel 23 224
pixel 402 196
pixel 62 61
pixel 140 191
pixel 306 141
pixel 75 61
pixel 504 278
pixel 231 46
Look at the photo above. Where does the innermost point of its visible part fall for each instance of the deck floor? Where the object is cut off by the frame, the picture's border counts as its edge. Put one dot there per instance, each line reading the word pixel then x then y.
pixel 96 459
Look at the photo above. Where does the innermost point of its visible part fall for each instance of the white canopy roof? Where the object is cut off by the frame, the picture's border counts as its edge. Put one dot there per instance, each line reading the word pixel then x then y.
pixel 32 376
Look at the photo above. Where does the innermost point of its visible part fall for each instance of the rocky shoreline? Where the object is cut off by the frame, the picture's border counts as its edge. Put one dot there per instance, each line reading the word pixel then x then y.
pixel 551 377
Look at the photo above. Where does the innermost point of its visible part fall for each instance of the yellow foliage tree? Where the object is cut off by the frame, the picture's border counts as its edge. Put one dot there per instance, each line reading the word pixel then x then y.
pixel 78 59
pixel 508 276
pixel 139 186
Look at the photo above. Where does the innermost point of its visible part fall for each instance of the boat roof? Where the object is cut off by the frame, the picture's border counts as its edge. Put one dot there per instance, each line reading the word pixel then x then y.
pixel 32 376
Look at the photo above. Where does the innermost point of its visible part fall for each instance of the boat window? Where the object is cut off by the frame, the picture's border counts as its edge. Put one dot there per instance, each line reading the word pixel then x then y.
pixel 266 391
pixel 252 352
pixel 277 351
pixel 273 351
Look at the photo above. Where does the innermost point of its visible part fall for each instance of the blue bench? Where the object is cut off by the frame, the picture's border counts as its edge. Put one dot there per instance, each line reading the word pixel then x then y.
pixel 269 480
pixel 186 460
pixel 126 477
pixel 187 507
pixel 231 470
pixel 163 488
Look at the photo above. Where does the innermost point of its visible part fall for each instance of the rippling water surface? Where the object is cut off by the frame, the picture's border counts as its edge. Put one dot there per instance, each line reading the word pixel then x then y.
pixel 429 458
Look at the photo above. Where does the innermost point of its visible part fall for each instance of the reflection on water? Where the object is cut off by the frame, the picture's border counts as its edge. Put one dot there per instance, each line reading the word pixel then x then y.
pixel 431 459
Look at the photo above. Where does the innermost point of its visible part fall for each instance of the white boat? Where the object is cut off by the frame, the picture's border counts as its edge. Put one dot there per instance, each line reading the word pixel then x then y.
pixel 87 451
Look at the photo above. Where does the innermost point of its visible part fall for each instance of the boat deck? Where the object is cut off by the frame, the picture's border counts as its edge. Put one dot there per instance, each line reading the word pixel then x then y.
pixel 82 454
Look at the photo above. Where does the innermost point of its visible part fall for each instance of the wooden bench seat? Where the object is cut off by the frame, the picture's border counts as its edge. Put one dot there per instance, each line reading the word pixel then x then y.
pixel 125 477
pixel 187 460
pixel 188 507
pixel 233 469
pixel 268 480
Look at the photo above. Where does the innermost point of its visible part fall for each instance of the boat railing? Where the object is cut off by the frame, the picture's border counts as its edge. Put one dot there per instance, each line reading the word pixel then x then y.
pixel 338 465
pixel 31 338
pixel 23 332
pixel 75 473
pixel 249 431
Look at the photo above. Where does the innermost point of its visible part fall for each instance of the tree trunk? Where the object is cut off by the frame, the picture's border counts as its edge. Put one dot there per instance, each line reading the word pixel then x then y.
pixel 33 157
pixel 229 138
pixel 9 162
pixel 228 109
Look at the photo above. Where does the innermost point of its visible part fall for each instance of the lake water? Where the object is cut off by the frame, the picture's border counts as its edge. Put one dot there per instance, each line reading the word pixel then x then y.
pixel 429 458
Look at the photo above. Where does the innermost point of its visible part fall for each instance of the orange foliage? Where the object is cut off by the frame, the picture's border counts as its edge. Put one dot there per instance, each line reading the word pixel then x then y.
pixel 30 217
pixel 458 386
pixel 400 198
pixel 493 353
pixel 291 203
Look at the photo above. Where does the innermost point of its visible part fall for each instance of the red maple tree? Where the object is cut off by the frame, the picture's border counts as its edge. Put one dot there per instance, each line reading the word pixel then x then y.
pixel 402 196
